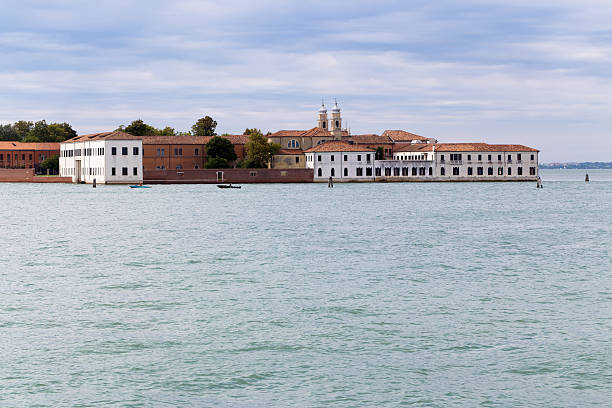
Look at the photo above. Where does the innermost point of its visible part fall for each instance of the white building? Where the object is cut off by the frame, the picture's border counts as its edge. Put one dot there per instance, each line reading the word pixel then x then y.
pixel 473 161
pixel 343 161
pixel 109 157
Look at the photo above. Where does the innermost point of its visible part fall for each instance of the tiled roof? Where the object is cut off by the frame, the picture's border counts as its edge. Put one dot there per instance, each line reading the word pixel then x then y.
pixel 28 146
pixel 237 139
pixel 286 133
pixel 415 147
pixel 116 135
pixel 169 139
pixel 482 147
pixel 316 132
pixel 337 146
pixel 402 136
pixel 369 139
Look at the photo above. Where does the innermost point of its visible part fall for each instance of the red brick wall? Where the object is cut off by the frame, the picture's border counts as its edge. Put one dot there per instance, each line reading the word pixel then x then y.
pixel 27 176
pixel 205 176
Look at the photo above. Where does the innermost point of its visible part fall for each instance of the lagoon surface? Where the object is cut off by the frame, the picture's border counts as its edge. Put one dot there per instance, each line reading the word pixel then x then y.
pixel 377 295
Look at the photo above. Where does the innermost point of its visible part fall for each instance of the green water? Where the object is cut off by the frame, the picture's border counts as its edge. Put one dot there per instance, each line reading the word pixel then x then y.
pixel 385 295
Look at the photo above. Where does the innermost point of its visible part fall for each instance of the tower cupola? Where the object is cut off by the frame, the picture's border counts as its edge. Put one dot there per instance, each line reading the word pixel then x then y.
pixel 323 123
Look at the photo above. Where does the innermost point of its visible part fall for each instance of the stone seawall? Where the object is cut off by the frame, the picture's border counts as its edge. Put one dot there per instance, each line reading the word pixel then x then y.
pixel 238 176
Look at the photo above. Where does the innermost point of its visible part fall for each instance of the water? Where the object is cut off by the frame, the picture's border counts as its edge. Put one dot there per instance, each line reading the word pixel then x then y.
pixel 433 295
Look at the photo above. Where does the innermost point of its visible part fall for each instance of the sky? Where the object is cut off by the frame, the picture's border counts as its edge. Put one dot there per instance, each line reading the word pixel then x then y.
pixel 531 72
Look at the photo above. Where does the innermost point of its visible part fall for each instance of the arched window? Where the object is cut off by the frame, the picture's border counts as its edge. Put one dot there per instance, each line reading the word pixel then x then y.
pixel 324 124
pixel 333 172
pixel 319 172
pixel 337 124
pixel 293 144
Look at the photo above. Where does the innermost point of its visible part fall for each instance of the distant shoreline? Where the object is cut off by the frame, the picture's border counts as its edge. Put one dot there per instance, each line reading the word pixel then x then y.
pixel 580 166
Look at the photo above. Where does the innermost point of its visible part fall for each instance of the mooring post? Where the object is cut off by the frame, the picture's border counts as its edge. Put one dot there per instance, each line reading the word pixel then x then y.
pixel 94 183
pixel 330 182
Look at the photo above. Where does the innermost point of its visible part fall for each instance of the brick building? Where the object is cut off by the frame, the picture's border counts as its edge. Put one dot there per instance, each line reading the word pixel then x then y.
pixel 26 155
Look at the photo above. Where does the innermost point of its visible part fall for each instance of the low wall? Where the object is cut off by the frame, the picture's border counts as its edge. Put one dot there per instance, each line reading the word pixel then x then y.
pixel 28 176
pixel 238 176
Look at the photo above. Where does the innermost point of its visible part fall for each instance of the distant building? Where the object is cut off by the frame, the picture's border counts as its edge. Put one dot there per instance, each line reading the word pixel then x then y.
pixel 108 157
pixel 26 155
pixel 341 160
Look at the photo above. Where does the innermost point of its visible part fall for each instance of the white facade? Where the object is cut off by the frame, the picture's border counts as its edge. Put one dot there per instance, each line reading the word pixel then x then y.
pixel 492 165
pixel 405 169
pixel 111 161
pixel 341 166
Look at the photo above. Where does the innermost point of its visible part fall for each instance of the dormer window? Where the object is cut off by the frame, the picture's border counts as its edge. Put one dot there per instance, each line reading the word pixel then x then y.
pixel 293 144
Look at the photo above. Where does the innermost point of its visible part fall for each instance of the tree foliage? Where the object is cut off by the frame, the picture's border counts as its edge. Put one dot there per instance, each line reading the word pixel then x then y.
pixel 8 133
pixel 380 153
pixel 220 147
pixel 29 132
pixel 204 127
pixel 259 150
pixel 217 163
pixel 51 163
pixel 139 128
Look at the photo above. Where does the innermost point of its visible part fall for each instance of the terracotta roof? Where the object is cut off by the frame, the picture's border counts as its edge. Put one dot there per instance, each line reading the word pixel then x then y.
pixel 116 135
pixel 338 146
pixel 285 133
pixel 290 151
pixel 28 146
pixel 481 147
pixel 416 147
pixel 369 139
pixel 169 139
pixel 316 132
pixel 237 139
pixel 402 136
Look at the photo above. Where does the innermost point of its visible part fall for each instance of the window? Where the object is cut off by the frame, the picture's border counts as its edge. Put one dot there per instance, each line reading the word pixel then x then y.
pixel 253 173
pixel 421 171
pixel 396 171
pixel 404 171
pixel 1 157
pixel 387 171
pixel 332 159
pixel 124 171
pixel 430 171
pixel 135 151
pixel 324 124
pixel 346 157
pixel 368 157
pixel 470 171
pixel 318 157
pixel 369 171
pixel 179 167
pixel 509 157
pixel 113 171
pixel 358 157
pixel 30 157
pixel 337 124
pixel 297 159
pixel 442 171
pixel 359 171
pixel 345 172
pixel 500 171
pixel 520 171
pixel 455 171
pixel 135 171
pixel 319 172
pixel 178 151
pixel 196 152
pixel 414 171
pixel 499 157
pixel 533 157
pixel 378 172
pixel 124 151
pixel 23 157
pixel 490 171
pixel 469 157
pixel 532 171
pixel 489 158
pixel 509 171
pixel 293 144
pixel 333 172
pixel 519 157
pixel 480 157
pixel 480 171
pixel 442 157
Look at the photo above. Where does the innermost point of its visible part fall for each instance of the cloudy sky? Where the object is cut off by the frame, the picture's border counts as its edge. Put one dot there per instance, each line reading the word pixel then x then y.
pixel 535 72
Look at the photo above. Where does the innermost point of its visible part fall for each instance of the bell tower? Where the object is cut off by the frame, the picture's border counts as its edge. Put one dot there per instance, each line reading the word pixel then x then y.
pixel 323 123
pixel 335 125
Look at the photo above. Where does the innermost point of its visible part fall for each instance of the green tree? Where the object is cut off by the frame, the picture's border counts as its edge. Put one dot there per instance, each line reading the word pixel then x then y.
pixel 259 150
pixel 8 133
pixel 139 128
pixel 221 148
pixel 380 153
pixel 204 127
pixel 51 163
pixel 61 131
pixel 217 163
pixel 167 131
pixel 23 128
pixel 39 133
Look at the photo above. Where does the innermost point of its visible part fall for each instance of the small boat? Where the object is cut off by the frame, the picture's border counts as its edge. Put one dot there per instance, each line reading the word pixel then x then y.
pixel 138 186
pixel 227 186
